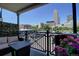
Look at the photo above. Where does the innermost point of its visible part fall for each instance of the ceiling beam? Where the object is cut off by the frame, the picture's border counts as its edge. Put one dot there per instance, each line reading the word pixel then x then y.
pixel 3 7
pixel 30 7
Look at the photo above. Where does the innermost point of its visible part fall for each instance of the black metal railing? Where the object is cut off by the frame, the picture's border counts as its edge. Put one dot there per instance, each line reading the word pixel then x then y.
pixel 39 41
pixel 42 41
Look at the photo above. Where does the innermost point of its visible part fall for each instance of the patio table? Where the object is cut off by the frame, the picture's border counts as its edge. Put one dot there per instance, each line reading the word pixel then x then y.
pixel 20 48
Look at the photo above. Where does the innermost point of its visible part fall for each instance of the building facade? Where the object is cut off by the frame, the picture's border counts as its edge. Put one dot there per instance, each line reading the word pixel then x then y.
pixel 56 17
pixel 51 23
pixel 22 26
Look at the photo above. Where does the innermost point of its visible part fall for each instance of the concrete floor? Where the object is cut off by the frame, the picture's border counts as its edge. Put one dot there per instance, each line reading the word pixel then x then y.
pixel 33 52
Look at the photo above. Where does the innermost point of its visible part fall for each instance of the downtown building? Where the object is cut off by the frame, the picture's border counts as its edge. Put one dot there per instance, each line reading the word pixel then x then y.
pixel 56 19
pixel 25 27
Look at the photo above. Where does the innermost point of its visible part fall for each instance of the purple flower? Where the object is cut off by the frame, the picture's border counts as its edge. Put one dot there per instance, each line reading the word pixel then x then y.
pixel 70 37
pixel 65 39
pixel 77 39
pixel 70 43
pixel 61 51
pixel 75 45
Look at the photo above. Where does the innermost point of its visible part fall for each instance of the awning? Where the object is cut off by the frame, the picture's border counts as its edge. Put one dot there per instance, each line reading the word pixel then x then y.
pixel 20 7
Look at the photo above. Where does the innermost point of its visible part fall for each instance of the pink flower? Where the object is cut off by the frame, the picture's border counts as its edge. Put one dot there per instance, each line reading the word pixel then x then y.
pixel 58 48
pixel 77 39
pixel 75 45
pixel 70 37
pixel 61 51
pixel 70 43
pixel 65 39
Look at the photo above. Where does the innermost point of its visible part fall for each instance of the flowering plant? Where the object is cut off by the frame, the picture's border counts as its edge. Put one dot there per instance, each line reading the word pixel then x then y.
pixel 68 46
pixel 70 43
pixel 76 40
pixel 61 51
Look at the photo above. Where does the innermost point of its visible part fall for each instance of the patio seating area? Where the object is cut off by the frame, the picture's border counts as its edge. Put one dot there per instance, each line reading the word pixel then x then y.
pixel 37 43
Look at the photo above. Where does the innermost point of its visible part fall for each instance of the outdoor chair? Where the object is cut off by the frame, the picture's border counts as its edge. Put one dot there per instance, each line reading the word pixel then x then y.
pixel 4 41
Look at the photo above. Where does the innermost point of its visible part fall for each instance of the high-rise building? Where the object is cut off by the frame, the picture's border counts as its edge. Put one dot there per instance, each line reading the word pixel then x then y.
pixel 56 17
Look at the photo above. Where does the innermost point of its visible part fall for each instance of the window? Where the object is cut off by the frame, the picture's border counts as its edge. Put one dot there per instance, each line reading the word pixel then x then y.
pixel 9 24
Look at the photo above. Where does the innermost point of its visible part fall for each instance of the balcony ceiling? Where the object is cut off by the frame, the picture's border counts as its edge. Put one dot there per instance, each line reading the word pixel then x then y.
pixel 20 7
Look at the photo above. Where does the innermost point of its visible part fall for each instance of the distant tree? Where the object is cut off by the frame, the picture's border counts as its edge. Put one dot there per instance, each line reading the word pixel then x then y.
pixel 62 24
pixel 47 27
pixel 35 27
pixel 55 28
pixel 42 26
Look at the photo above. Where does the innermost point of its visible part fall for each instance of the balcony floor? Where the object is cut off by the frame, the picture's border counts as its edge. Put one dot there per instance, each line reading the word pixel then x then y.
pixel 33 52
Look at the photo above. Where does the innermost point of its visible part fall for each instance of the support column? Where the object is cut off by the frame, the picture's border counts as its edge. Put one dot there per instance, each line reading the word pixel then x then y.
pixel 74 18
pixel 18 25
pixel 1 22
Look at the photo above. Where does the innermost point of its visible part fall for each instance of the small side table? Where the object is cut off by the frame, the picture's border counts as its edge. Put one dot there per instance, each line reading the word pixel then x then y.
pixel 20 48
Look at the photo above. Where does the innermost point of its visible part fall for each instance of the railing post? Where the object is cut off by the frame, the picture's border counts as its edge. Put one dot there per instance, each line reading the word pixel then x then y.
pixel 26 36
pixel 47 42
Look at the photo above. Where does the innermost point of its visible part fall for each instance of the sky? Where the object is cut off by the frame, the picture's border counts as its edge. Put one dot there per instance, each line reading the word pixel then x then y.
pixel 41 14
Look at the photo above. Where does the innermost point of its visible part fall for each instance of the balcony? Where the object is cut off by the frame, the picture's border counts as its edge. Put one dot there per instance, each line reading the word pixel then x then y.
pixel 42 43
